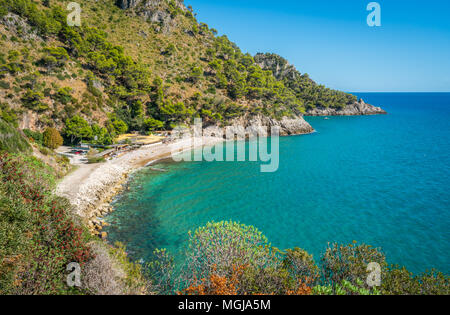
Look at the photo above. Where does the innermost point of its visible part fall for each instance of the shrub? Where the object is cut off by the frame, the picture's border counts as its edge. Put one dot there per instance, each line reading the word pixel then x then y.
pixel 219 246
pixel 11 140
pixel 160 271
pixel 55 57
pixel 345 288
pixel 235 258
pixel 398 280
pixel 64 95
pixel 51 138
pixel 100 274
pixel 8 114
pixel 349 262
pixel 33 100
pixel 34 136
pixel 300 264
pixel 93 160
pixel 4 85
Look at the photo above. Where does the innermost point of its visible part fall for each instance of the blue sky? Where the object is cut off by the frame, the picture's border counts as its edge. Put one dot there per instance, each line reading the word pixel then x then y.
pixel 330 39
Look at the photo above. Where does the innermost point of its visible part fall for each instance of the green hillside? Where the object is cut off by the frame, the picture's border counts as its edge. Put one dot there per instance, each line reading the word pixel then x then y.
pixel 152 66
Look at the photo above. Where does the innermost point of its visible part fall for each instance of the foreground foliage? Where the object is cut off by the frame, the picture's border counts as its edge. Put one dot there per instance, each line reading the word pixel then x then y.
pixel 227 258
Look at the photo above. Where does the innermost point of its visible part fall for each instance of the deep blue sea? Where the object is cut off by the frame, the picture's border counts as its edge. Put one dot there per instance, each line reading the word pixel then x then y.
pixel 382 180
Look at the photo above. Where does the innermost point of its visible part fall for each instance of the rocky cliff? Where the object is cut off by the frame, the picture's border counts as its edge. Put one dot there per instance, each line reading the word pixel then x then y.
pixel 355 109
pixel 259 125
pixel 155 11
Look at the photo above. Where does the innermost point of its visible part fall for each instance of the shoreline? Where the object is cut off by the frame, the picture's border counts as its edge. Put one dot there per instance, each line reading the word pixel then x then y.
pixel 92 187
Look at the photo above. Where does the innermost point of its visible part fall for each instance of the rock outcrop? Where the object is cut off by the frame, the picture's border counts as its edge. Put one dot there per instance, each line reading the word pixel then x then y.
pixel 155 11
pixel 20 27
pixel 287 125
pixel 358 108
pixel 259 125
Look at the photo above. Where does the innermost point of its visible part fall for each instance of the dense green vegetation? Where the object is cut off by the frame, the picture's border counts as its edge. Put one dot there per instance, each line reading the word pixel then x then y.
pixel 51 138
pixel 40 234
pixel 11 140
pixel 231 258
pixel 188 71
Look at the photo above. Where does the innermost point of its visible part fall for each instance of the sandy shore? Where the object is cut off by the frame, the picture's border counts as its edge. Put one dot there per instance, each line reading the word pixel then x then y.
pixel 91 187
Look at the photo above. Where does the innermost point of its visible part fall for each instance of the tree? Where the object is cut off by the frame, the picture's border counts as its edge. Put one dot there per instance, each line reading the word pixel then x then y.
pixel 195 74
pixel 218 247
pixel 116 126
pixel 64 95
pixel 55 57
pixel 77 128
pixel 52 139
pixel 33 100
pixel 101 135
pixel 153 124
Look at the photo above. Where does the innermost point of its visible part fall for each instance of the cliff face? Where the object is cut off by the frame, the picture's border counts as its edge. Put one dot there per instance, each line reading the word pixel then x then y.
pixel 280 67
pixel 155 11
pixel 358 108
pixel 259 125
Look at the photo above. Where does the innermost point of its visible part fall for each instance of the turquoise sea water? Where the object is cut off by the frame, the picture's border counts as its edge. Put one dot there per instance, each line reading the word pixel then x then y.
pixel 383 180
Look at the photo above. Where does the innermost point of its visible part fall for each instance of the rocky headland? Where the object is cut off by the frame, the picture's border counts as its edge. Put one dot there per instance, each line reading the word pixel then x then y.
pixel 357 109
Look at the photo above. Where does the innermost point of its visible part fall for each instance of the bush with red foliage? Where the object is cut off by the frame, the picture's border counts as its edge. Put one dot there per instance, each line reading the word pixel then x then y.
pixel 38 235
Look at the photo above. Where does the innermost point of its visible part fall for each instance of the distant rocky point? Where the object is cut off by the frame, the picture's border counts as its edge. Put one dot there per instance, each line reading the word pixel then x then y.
pixel 358 108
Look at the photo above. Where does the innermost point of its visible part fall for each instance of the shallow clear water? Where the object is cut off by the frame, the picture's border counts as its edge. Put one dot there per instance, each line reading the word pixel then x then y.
pixel 382 180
